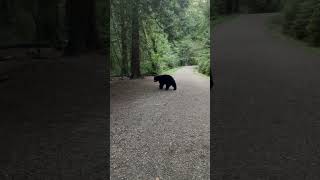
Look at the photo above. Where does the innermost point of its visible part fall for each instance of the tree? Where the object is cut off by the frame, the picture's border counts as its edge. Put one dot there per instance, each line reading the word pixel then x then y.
pixel 236 7
pixel 162 35
pixel 124 39
pixel 82 27
pixel 303 15
pixel 135 44
pixel 289 11
pixel 229 6
pixel 313 27
pixel 302 20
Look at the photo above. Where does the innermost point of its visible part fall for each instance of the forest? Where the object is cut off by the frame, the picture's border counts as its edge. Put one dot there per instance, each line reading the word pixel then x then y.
pixel 149 37
pixel 69 26
pixel 301 20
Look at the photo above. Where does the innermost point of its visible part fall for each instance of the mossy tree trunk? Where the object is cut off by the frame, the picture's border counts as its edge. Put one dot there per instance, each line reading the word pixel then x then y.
pixel 124 40
pixel 135 45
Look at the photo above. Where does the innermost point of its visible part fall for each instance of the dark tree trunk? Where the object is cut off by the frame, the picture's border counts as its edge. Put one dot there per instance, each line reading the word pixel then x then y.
pixel 75 20
pixel 36 19
pixel 5 8
pixel 10 11
pixel 124 41
pixel 213 9
pixel 135 46
pixel 92 33
pixel 268 2
pixel 108 84
pixel 229 6
pixel 252 6
pixel 82 28
pixel 154 45
pixel 236 6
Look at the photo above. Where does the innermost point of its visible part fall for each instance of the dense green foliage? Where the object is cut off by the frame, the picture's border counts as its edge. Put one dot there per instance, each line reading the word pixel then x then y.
pixel 302 20
pixel 172 33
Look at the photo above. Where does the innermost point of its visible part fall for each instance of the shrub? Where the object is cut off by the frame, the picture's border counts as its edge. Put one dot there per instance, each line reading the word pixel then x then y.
pixel 313 27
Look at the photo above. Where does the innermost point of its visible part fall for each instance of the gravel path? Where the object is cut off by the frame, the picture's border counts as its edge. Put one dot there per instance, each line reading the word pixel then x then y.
pixel 53 120
pixel 266 106
pixel 158 133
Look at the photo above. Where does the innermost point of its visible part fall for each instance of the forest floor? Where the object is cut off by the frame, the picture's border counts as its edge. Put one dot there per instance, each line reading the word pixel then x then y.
pixel 53 118
pixel 266 120
pixel 159 133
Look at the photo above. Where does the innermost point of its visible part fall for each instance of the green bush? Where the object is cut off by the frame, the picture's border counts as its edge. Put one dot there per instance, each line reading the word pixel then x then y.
pixel 204 67
pixel 302 20
pixel 290 13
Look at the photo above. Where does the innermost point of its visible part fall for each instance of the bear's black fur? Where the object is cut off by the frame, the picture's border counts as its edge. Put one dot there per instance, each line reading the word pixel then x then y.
pixel 165 80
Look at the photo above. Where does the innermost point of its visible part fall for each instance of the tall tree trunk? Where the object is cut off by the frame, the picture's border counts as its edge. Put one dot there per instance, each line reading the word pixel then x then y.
pixel 124 29
pixel 229 5
pixel 36 19
pixel 75 14
pixel 252 6
pixel 236 6
pixel 135 46
pixel 5 7
pixel 10 11
pixel 82 28
pixel 107 74
pixel 93 41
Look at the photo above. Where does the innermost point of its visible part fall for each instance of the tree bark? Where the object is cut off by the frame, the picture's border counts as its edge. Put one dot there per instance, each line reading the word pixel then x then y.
pixel 124 29
pixel 92 33
pixel 229 5
pixel 236 6
pixel 135 46
pixel 107 74
pixel 82 27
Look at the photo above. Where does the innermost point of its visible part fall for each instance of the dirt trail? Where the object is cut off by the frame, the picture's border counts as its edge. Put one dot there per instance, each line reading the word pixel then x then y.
pixel 266 119
pixel 53 120
pixel 158 133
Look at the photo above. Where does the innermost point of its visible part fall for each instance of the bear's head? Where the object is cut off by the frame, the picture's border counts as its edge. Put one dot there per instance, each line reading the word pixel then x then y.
pixel 156 78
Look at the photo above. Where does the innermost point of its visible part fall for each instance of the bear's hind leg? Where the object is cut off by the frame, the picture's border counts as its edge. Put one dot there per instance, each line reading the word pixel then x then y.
pixel 174 86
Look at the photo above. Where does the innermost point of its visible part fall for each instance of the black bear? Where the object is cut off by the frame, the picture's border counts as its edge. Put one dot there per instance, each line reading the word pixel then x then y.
pixel 165 80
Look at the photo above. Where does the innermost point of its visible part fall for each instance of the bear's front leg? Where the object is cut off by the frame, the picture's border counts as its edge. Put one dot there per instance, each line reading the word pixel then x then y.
pixel 167 86
pixel 161 86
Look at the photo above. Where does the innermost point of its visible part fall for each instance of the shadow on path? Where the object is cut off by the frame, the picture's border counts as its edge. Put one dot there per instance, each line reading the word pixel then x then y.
pixel 266 105
pixel 53 120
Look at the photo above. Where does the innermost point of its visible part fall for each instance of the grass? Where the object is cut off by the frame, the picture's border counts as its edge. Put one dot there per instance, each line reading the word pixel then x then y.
pixel 171 71
pixel 274 24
